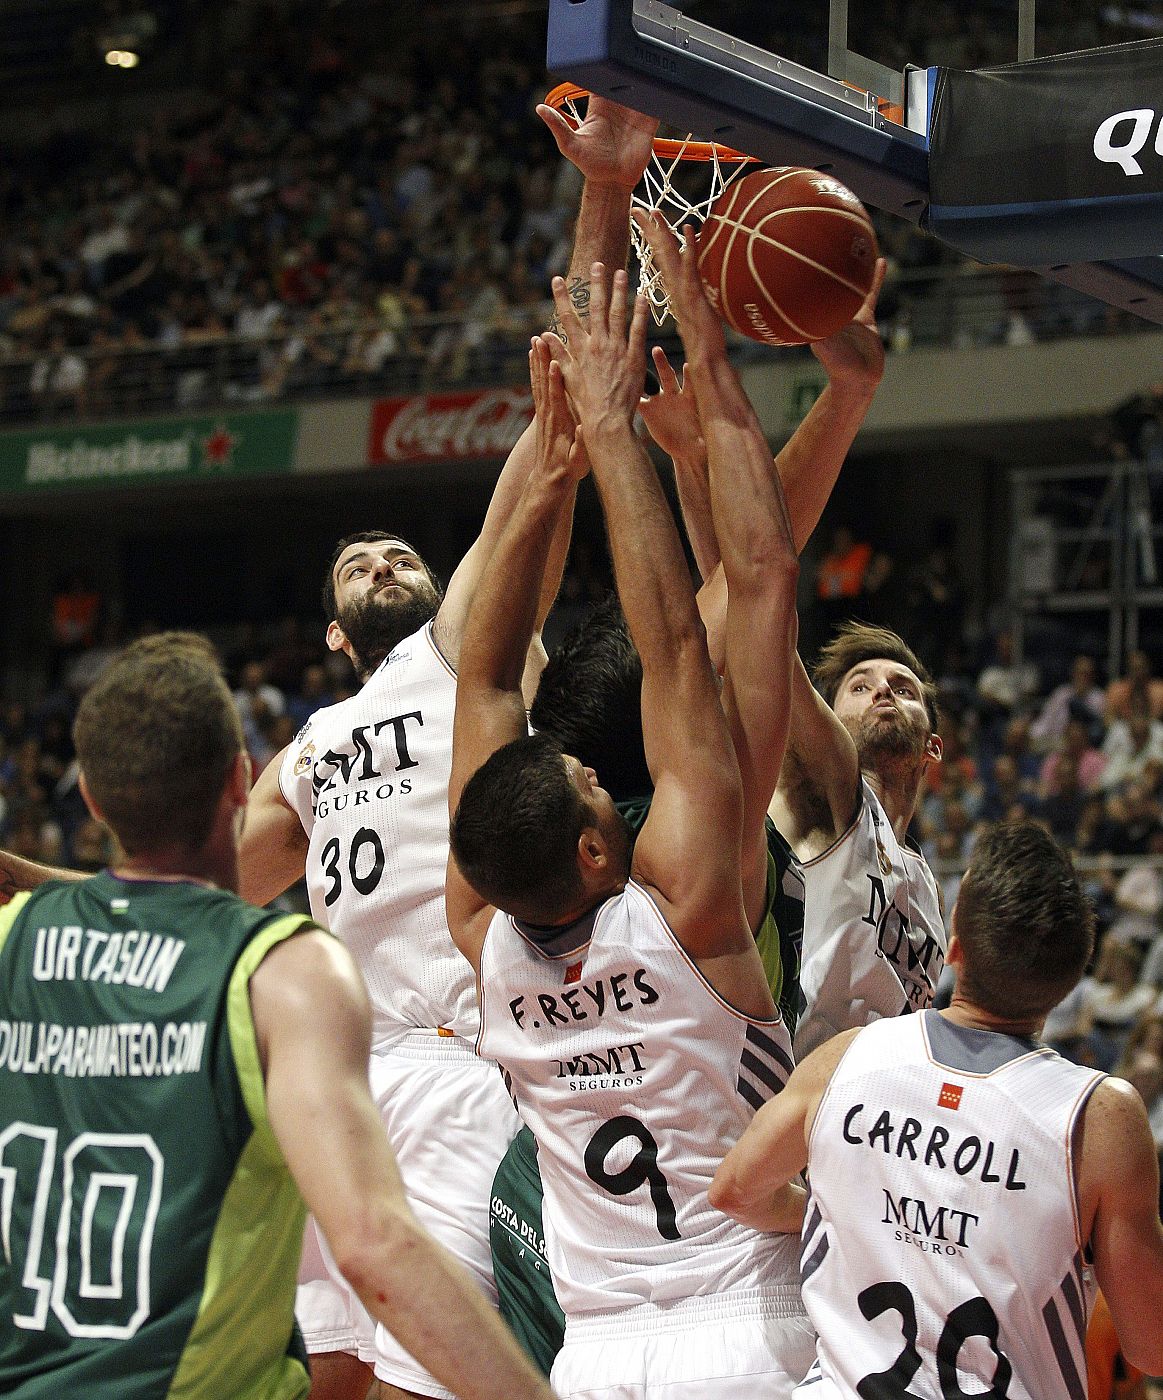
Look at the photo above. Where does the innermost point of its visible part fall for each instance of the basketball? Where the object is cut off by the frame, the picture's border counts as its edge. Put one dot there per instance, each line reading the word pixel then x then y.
pixel 787 255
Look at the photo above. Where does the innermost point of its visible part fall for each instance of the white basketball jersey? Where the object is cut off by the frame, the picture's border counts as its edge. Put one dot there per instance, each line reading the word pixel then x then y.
pixel 369 780
pixel 635 1078
pixel 942 1251
pixel 874 937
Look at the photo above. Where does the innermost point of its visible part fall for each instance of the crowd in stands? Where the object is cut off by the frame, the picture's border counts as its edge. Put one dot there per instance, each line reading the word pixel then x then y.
pixel 291 227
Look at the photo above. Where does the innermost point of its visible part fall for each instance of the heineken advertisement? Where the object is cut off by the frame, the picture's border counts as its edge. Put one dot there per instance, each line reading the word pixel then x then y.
pixel 173 449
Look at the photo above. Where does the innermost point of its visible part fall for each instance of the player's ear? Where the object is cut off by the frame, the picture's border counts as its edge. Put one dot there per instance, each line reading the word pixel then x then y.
pixel 94 810
pixel 592 851
pixel 336 637
pixel 956 954
pixel 934 748
pixel 239 779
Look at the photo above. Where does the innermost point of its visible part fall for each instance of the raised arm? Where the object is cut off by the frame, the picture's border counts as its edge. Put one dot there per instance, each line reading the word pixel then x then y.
pixel 610 148
pixel 808 463
pixel 688 747
pixel 759 560
pixel 313 1026
pixel 490 708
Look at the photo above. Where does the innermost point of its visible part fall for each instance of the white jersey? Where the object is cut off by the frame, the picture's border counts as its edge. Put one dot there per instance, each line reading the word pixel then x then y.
pixel 942 1251
pixel 874 935
pixel 635 1077
pixel 369 780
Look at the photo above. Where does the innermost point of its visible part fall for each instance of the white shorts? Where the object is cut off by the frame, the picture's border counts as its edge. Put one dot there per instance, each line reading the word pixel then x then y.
pixel 449 1120
pixel 700 1349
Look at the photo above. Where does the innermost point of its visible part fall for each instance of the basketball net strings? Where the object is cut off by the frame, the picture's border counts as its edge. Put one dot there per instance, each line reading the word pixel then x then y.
pixel 659 192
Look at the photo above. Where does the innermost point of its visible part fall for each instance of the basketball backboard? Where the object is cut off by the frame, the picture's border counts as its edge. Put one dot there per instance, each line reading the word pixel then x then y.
pixel 1080 114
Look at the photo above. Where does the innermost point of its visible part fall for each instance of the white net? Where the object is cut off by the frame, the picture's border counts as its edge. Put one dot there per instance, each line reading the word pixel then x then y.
pixel 660 190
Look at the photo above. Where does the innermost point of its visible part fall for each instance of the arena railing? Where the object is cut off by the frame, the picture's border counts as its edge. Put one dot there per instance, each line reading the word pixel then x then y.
pixel 960 307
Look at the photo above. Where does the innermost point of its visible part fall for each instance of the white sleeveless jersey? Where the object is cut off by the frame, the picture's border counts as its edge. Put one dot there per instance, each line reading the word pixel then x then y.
pixel 635 1078
pixel 369 780
pixel 942 1251
pixel 874 935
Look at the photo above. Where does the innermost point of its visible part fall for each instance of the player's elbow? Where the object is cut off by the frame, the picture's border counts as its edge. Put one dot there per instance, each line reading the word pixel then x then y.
pixel 725 1193
pixel 379 1252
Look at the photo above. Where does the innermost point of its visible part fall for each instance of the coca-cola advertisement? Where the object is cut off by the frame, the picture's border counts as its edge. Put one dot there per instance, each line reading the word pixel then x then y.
pixel 478 423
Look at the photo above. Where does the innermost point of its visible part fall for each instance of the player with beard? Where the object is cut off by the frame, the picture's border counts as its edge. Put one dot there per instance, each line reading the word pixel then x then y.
pixel 874 936
pixel 360 796
pixel 859 744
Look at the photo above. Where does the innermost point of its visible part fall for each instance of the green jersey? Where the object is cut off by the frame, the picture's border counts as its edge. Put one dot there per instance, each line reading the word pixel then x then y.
pixel 151 1228
pixel 516 1232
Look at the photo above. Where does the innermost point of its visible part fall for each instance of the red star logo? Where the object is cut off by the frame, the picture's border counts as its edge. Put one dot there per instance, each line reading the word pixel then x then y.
pixel 218 448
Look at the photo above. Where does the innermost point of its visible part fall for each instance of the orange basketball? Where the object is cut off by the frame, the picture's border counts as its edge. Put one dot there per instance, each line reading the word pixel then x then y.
pixel 787 255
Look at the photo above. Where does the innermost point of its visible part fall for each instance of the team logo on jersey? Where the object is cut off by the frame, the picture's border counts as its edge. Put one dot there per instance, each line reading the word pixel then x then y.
pixel 573 973
pixel 950 1096
pixel 304 761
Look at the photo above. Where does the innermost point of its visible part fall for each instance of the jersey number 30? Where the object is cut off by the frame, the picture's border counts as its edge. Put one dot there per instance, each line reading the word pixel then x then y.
pixel 90 1265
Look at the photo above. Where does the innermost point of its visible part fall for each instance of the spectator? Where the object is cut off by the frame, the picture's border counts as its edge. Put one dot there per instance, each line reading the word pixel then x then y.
pixel 1004 684
pixel 312 694
pixel 1075 745
pixel 1139 679
pixel 259 703
pixel 1062 807
pixel 1131 744
pixel 1007 797
pixel 1077 698
pixel 1114 1000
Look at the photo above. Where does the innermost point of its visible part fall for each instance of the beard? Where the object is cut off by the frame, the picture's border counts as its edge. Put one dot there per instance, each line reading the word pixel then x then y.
pixel 881 739
pixel 379 621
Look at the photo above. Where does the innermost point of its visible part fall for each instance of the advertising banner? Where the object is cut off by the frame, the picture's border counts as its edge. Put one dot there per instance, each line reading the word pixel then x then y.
pixel 150 452
pixel 475 424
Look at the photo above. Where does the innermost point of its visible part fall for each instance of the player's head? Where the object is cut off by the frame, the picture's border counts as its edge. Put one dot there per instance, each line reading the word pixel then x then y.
pixel 589 701
pixel 1024 930
pixel 377 592
pixel 160 745
pixel 882 694
pixel 535 835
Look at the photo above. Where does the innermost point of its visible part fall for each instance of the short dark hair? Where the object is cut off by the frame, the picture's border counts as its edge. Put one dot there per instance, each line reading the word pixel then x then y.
pixel 366 537
pixel 1025 924
pixel 589 701
pixel 856 642
pixel 516 829
pixel 156 736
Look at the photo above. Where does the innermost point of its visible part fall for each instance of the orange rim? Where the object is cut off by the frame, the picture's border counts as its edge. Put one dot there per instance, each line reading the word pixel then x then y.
pixel 665 147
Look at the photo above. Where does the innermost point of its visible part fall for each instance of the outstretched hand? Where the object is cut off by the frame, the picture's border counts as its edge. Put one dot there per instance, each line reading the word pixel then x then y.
pixel 604 368
pixel 610 147
pixel 855 355
pixel 558 447
pixel 672 416
pixel 699 323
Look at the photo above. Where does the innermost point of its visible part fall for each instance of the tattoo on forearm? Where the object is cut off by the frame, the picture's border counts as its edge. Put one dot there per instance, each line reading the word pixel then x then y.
pixel 578 291
pixel 7 886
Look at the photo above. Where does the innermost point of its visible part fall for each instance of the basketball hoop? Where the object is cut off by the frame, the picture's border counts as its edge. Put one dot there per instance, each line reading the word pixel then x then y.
pixel 658 189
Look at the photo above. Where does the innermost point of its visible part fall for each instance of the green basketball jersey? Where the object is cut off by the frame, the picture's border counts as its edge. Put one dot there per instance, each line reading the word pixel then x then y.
pixel 151 1228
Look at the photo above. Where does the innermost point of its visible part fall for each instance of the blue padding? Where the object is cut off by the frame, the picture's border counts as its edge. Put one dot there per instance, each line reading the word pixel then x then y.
pixel 1104 229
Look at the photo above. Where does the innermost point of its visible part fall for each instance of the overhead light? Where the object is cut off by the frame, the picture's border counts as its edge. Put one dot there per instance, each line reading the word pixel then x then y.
pixel 122 58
